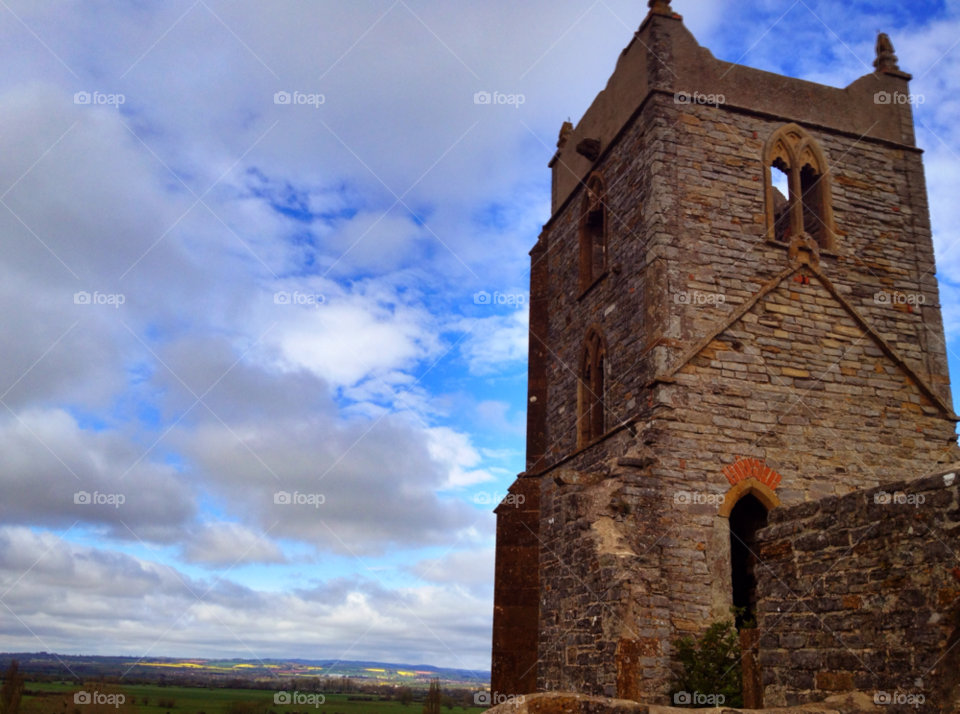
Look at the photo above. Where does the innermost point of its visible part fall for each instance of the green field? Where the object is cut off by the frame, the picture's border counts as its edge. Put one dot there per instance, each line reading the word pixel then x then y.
pixel 192 700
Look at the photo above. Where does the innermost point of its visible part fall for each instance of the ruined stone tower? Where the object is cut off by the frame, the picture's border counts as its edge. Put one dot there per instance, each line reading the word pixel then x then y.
pixel 733 308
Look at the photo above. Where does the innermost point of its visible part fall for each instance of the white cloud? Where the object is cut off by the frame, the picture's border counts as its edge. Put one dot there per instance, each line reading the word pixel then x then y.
pixel 83 599
pixel 229 544
pixel 457 454
pixel 496 343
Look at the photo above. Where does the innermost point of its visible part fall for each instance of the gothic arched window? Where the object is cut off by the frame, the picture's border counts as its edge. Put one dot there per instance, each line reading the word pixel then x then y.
pixel 590 393
pixel 797 188
pixel 593 232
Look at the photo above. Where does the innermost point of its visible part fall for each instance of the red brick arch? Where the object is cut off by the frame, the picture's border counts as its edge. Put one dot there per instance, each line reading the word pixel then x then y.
pixel 743 469
pixel 750 476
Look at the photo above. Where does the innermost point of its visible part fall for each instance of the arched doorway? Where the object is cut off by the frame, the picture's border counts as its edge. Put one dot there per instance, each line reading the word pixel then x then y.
pixel 747 517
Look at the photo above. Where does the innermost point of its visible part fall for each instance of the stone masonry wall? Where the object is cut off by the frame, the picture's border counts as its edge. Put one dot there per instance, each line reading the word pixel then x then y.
pixel 687 218
pixel 861 592
pixel 797 382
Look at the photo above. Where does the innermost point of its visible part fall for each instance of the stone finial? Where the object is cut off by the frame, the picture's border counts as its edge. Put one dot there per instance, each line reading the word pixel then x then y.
pixel 886 59
pixel 660 7
pixel 565 132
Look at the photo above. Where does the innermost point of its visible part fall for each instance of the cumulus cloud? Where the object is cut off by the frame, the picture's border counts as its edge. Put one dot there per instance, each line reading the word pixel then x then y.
pixel 494 343
pixel 229 544
pixel 83 599
pixel 56 475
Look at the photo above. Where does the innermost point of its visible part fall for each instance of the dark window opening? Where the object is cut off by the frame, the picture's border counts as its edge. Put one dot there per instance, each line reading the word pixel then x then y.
pixel 593 234
pixel 746 518
pixel 779 173
pixel 798 196
pixel 591 412
pixel 812 202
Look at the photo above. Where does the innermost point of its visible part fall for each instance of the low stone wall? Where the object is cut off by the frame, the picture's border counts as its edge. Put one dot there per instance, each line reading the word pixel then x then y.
pixel 860 592
pixel 569 703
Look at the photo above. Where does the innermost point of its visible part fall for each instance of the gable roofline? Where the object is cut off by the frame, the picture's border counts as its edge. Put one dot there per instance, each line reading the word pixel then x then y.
pixel 925 388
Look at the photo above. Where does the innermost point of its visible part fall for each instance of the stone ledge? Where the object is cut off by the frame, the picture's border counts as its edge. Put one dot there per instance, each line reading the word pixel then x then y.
pixel 570 703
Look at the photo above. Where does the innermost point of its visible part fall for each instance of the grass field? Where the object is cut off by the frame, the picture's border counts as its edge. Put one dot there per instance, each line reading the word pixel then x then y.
pixel 193 700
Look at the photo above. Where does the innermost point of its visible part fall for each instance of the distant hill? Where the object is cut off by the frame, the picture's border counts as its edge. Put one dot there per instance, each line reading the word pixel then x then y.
pixel 223 671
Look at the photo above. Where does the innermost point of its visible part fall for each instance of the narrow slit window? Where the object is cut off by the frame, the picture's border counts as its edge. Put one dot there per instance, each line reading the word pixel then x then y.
pixel 590 394
pixel 781 199
pixel 812 202
pixel 593 233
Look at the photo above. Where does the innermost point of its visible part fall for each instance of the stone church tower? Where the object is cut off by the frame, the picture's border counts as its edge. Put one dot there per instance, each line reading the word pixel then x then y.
pixel 733 308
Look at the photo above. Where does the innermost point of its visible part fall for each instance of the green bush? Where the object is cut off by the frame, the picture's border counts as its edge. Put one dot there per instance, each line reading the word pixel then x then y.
pixel 241 707
pixel 711 666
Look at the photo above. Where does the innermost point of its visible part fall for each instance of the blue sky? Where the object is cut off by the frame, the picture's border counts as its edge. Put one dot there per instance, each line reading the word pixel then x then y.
pixel 395 395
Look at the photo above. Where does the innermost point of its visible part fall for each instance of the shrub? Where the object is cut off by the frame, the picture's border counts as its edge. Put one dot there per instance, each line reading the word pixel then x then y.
pixel 711 666
pixel 12 689
pixel 241 707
